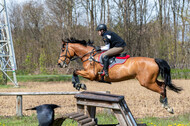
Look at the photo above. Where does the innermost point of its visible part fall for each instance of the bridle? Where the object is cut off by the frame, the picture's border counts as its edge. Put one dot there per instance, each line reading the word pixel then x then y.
pixel 91 57
pixel 67 51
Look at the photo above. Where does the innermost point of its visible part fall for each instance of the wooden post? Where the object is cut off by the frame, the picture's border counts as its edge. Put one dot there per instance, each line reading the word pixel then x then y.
pixel 19 105
pixel 91 111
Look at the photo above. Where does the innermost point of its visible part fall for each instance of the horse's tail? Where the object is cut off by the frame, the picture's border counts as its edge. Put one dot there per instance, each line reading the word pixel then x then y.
pixel 164 69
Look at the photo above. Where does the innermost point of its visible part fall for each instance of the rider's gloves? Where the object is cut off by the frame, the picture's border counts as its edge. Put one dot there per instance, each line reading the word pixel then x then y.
pixel 97 48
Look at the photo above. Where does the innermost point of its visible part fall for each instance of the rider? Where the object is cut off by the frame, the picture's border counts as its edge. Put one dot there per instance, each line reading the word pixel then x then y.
pixel 114 45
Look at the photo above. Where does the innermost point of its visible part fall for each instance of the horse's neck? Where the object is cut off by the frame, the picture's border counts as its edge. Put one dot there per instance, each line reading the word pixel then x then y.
pixel 82 50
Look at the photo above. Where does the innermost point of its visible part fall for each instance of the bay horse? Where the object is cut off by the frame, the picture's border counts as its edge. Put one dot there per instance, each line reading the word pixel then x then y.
pixel 145 70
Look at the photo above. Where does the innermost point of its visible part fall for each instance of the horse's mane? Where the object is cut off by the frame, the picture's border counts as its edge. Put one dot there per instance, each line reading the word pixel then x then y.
pixel 83 42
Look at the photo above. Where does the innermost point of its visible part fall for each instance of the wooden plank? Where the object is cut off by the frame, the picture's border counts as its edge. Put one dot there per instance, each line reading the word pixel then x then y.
pixel 87 120
pixel 81 117
pixel 76 115
pixel 120 118
pixel 96 96
pixel 98 104
pixel 90 124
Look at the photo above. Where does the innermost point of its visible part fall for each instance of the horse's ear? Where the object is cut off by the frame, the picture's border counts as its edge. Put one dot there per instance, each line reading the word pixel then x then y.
pixel 63 41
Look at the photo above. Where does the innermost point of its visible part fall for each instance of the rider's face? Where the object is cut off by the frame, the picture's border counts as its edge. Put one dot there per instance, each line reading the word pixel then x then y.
pixel 100 32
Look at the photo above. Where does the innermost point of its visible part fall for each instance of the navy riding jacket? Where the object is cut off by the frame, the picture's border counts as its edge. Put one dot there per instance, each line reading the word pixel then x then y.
pixel 113 39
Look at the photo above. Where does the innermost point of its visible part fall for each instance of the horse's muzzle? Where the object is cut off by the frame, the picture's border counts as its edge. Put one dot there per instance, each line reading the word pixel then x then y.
pixel 61 65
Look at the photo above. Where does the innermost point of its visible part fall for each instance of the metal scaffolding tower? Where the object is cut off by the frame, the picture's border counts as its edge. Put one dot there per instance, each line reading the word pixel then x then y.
pixel 7 55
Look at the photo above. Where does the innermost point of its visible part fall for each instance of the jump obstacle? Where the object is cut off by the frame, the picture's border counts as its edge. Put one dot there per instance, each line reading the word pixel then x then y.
pixel 86 109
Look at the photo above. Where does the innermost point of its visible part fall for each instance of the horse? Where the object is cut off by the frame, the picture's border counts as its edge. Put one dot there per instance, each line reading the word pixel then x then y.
pixel 145 70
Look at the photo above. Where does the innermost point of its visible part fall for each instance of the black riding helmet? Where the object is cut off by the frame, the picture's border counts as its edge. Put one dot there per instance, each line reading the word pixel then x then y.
pixel 101 27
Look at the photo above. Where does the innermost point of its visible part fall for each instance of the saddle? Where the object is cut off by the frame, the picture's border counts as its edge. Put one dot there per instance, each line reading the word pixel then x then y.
pixel 115 60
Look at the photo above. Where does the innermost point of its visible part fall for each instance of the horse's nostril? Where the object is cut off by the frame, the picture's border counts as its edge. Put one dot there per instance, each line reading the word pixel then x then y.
pixel 60 65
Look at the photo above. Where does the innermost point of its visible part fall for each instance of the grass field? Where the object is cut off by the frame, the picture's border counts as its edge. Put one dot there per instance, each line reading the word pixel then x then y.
pixel 182 120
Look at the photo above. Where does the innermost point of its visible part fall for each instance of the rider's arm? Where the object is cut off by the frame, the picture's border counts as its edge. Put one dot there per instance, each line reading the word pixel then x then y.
pixel 106 40
pixel 106 47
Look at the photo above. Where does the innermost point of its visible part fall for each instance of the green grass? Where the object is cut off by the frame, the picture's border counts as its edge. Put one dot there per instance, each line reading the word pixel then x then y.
pixel 43 78
pixel 5 86
pixel 32 120
pixel 19 121
pixel 180 73
pixel 182 120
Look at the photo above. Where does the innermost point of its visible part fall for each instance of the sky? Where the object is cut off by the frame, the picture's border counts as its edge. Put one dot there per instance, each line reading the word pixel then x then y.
pixel 20 1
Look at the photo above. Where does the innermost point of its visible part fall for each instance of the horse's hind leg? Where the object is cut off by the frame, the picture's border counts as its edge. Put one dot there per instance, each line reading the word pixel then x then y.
pixel 160 88
pixel 163 97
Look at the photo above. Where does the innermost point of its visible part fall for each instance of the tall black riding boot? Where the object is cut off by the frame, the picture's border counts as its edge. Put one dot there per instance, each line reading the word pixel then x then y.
pixel 106 64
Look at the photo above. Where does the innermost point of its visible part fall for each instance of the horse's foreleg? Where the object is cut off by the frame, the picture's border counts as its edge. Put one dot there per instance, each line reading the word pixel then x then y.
pixel 76 82
pixel 75 78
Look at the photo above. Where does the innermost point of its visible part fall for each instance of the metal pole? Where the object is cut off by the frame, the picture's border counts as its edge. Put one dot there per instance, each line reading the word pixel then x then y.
pixel 7 55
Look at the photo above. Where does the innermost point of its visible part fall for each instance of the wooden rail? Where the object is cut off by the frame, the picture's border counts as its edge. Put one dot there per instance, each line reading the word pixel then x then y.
pixel 19 95
pixel 36 93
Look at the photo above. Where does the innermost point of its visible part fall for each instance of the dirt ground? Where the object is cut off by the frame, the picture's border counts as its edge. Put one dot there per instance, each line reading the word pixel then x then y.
pixel 142 102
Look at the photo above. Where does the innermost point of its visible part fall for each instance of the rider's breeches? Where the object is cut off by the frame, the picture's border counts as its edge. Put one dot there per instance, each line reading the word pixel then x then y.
pixel 113 51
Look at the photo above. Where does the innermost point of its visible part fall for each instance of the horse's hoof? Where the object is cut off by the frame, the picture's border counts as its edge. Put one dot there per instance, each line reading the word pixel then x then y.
pixel 83 86
pixel 77 86
pixel 170 110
